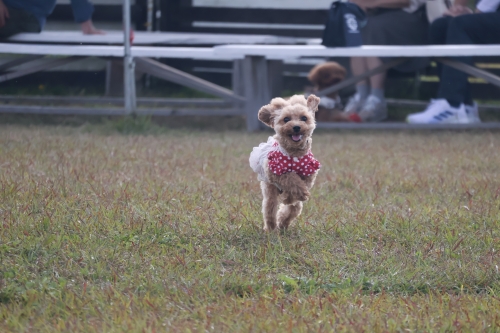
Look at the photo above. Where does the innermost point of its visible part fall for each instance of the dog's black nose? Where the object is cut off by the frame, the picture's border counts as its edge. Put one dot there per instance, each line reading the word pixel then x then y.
pixel 296 128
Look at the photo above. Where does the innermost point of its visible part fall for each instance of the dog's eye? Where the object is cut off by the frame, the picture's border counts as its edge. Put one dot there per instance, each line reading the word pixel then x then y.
pixel 286 119
pixel 303 118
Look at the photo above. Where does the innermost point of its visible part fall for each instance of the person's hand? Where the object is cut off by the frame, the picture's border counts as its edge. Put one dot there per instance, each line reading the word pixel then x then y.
pixel 457 10
pixel 89 29
pixel 4 14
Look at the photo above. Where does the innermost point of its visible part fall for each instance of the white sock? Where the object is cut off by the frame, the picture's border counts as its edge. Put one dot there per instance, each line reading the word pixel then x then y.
pixel 379 93
pixel 363 90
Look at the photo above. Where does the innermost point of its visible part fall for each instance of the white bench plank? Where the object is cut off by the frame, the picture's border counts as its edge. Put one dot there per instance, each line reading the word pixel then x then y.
pixel 241 25
pixel 288 4
pixel 149 38
pixel 230 52
pixel 63 50
pixel 205 53
pixel 297 51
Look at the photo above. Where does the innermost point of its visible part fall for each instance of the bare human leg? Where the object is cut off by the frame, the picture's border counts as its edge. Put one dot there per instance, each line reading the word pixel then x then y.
pixel 376 81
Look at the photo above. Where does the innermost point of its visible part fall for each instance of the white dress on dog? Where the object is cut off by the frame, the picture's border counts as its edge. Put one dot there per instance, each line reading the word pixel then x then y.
pixel 259 155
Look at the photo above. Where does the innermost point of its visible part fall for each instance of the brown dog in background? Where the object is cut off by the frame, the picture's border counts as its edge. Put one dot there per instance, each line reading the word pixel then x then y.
pixel 325 75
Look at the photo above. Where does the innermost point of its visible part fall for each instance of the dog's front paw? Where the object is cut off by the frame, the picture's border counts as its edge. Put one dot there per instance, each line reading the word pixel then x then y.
pixel 304 196
pixel 290 199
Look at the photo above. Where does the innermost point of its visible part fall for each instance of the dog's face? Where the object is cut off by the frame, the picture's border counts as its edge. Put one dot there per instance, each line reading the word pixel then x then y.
pixel 293 119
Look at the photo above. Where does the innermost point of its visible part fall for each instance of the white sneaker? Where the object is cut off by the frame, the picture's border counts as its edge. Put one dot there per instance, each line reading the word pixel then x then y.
pixel 354 104
pixel 472 113
pixel 374 109
pixel 439 111
pixel 330 103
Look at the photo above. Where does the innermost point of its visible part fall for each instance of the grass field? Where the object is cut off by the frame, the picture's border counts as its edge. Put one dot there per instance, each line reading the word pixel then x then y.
pixel 102 231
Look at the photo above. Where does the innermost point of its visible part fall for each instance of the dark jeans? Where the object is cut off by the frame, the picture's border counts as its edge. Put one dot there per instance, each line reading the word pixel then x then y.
pixel 483 28
pixel 19 21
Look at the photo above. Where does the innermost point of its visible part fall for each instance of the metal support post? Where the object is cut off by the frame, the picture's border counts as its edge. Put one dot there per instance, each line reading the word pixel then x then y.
pixel 256 88
pixel 128 64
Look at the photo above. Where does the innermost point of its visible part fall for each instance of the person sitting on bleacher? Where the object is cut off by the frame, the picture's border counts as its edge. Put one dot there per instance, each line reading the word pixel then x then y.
pixel 18 16
pixel 389 22
pixel 460 26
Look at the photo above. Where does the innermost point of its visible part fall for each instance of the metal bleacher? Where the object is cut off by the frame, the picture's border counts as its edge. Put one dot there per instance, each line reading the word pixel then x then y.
pixel 216 31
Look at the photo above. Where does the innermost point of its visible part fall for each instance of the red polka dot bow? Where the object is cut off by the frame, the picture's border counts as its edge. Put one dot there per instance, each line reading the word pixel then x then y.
pixel 279 164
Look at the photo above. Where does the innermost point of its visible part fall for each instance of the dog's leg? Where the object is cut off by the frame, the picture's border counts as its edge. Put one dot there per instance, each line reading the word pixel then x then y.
pixel 288 213
pixel 269 205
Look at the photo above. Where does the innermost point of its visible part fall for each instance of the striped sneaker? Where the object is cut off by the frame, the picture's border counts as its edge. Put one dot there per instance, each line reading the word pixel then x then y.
pixel 439 111
pixel 472 113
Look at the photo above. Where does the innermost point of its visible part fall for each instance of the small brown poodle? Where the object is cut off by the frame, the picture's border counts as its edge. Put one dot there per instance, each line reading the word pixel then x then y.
pixel 285 165
pixel 325 75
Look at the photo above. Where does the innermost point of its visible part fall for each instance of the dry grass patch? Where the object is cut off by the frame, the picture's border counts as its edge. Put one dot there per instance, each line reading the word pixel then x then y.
pixel 144 233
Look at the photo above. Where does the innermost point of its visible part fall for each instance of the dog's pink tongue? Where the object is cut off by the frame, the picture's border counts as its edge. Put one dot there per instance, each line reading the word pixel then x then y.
pixel 296 137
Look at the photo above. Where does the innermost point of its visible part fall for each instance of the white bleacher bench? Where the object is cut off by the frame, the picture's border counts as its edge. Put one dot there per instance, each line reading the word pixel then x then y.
pixel 298 51
pixel 256 68
pixel 142 38
pixel 75 45
pixel 148 38
pixel 110 46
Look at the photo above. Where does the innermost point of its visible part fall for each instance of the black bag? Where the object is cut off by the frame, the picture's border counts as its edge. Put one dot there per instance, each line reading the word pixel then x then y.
pixel 345 19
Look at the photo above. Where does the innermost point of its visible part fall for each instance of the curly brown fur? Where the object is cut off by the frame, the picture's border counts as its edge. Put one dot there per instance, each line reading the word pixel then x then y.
pixel 280 209
pixel 325 75
pixel 270 204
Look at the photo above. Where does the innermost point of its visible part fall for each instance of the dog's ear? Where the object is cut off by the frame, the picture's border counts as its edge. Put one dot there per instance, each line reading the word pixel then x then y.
pixel 312 103
pixel 266 115
pixel 268 112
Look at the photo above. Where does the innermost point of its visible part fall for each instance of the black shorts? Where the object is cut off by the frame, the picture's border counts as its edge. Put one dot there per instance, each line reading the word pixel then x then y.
pixel 397 27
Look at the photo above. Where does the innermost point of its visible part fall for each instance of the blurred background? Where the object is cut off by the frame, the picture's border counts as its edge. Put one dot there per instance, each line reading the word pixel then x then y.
pixel 294 18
